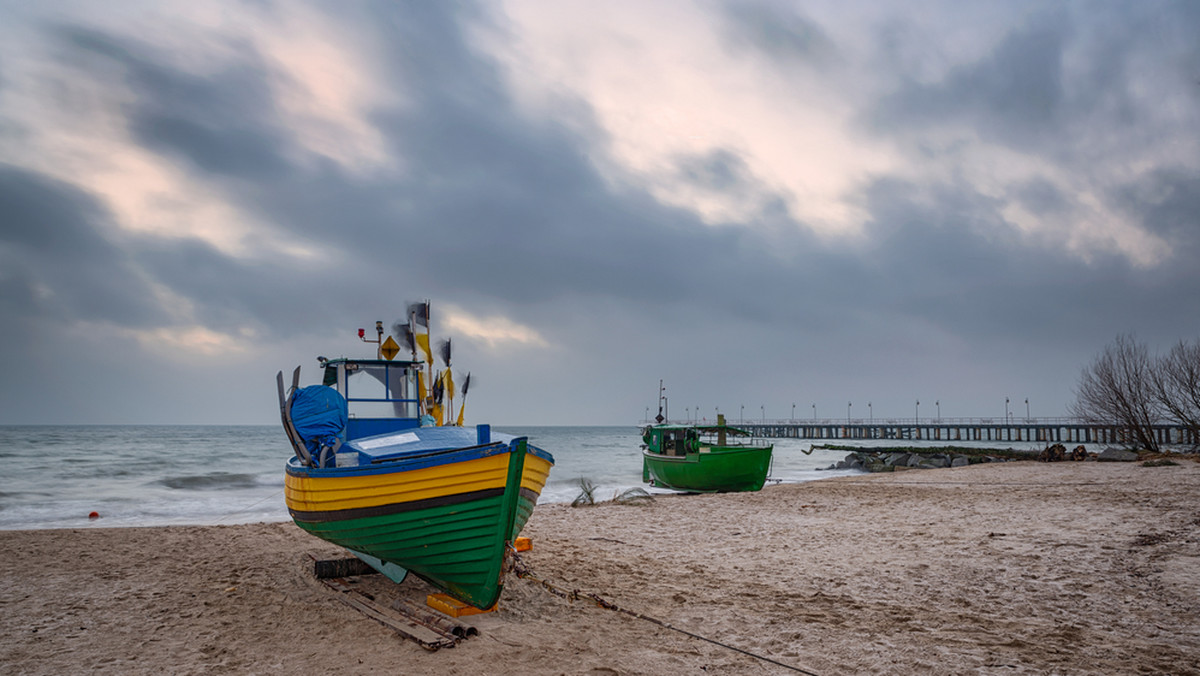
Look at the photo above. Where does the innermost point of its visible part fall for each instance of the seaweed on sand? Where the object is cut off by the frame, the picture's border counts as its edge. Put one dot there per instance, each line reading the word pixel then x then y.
pixel 630 496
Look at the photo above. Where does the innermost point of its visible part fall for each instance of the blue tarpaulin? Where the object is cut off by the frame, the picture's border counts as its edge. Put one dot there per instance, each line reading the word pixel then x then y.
pixel 319 416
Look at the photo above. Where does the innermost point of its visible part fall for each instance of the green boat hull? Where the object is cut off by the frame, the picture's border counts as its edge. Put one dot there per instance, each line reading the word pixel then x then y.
pixel 453 547
pixel 715 470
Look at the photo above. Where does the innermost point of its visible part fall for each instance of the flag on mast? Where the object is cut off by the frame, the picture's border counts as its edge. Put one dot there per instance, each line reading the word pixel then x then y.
pixel 463 406
pixel 418 315
pixel 422 340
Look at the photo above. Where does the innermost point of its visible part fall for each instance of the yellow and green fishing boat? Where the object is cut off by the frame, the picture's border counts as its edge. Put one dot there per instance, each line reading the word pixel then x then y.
pixel 377 472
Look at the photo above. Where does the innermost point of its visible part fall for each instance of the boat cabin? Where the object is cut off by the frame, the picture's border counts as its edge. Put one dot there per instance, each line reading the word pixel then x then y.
pixel 671 440
pixel 381 396
pixel 679 440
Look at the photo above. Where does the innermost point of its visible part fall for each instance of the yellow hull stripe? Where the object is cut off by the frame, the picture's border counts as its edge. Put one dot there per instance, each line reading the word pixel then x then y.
pixel 324 494
pixel 535 474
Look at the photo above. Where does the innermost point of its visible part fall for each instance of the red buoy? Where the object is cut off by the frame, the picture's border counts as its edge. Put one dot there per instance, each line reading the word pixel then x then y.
pixel 94 515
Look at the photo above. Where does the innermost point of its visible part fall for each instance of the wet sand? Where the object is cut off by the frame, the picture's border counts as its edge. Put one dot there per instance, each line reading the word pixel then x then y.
pixel 1009 568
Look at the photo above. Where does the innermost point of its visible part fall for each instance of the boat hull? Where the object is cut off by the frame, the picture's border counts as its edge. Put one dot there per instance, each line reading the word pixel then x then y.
pixel 712 470
pixel 446 516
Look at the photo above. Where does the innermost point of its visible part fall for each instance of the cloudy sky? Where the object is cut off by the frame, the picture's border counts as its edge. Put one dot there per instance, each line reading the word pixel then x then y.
pixel 766 204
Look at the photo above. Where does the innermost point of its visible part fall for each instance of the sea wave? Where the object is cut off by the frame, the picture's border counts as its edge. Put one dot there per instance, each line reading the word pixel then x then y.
pixel 214 481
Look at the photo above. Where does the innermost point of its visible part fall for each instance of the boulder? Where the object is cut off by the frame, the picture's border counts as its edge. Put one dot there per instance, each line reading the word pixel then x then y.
pixel 852 461
pixel 1055 453
pixel 1116 455
pixel 960 461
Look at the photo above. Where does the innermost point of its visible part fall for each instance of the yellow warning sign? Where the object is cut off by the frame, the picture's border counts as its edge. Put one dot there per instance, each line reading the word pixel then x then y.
pixel 389 349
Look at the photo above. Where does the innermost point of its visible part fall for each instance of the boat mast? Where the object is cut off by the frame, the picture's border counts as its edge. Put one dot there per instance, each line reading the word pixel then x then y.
pixel 362 335
pixel 662 402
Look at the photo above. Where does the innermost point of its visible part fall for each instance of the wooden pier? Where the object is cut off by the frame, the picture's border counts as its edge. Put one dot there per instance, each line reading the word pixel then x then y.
pixel 1036 430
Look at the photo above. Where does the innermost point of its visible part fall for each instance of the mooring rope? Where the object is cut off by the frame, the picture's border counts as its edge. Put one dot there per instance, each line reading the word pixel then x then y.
pixel 523 572
pixel 248 507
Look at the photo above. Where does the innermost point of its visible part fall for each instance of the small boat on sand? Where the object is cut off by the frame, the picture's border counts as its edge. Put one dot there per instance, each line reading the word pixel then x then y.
pixel 376 471
pixel 703 458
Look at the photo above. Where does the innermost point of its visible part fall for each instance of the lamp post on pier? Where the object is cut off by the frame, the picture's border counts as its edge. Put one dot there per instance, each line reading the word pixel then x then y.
pixel 742 414
pixel 917 412
pixel 938 403
pixel 763 408
pixel 870 413
pixel 1006 417
pixel 1027 417
pixel 793 410
pixel 814 413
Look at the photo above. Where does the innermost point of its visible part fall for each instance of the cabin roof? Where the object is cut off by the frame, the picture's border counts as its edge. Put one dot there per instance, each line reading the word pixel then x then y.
pixel 372 362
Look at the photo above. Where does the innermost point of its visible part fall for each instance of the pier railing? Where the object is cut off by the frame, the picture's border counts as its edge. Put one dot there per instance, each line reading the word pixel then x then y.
pixel 1012 428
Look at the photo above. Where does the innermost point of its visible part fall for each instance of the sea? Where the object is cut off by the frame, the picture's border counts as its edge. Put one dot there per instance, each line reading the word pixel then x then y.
pixel 155 475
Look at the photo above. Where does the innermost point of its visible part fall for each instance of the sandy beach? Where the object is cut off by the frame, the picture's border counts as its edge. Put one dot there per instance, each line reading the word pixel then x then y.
pixel 1010 568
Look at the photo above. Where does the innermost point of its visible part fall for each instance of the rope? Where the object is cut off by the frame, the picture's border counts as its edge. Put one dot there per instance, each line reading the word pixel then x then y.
pixel 249 507
pixel 523 572
pixel 1016 484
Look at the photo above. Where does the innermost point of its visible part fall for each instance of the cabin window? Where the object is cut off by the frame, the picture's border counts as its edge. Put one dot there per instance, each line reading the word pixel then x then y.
pixel 674 443
pixel 381 392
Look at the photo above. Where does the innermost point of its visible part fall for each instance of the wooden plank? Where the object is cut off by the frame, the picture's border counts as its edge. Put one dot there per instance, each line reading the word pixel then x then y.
pixel 423 636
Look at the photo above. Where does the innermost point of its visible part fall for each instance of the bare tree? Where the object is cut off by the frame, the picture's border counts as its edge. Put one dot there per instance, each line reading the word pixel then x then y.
pixel 1177 384
pixel 1118 389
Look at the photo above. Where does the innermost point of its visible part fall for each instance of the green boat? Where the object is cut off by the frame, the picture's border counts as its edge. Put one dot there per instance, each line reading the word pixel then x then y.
pixel 704 458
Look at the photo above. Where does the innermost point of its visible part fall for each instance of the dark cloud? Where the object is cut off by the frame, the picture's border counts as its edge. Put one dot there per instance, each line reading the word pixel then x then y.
pixel 223 123
pixel 718 171
pixel 778 32
pixel 1015 94
pixel 1063 85
pixel 59 260
pixel 1167 203
pixel 1039 196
